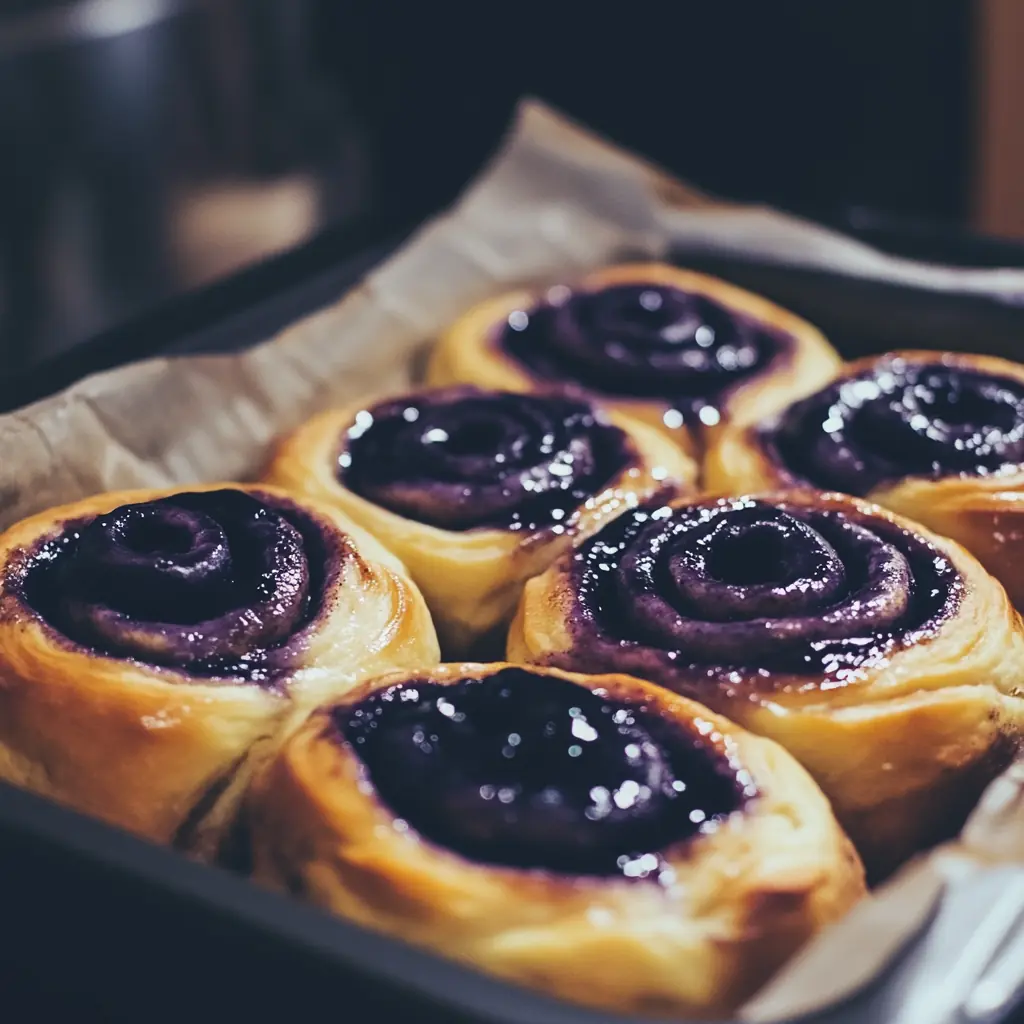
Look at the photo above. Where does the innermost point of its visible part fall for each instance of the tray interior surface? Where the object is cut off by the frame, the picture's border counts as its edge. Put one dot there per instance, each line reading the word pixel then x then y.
pixel 139 932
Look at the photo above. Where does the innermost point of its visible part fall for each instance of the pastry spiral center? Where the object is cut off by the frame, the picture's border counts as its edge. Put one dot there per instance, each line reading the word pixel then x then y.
pixel 206 581
pixel 749 584
pixel 462 458
pixel 641 340
pixel 534 771
pixel 902 419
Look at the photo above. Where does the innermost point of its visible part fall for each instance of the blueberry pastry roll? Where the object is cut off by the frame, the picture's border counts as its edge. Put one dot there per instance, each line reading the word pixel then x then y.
pixel 682 351
pixel 598 838
pixel 935 436
pixel 476 491
pixel 152 642
pixel 885 658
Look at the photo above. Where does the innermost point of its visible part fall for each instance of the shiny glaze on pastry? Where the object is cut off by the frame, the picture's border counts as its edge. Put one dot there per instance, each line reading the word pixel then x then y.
pixel 466 459
pixel 216 582
pixel 900 418
pixel 885 658
pixel 746 584
pixel 531 771
pixel 683 351
pixel 643 340
pixel 150 641
pixel 935 436
pixel 476 491
pixel 543 825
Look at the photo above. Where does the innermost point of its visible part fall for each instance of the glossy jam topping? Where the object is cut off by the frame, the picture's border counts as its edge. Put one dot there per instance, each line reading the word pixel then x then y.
pixel 902 419
pixel 647 341
pixel 214 582
pixel 691 592
pixel 533 771
pixel 463 458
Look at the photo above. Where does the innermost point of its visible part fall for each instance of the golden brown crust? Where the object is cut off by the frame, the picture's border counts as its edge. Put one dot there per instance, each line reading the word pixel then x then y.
pixel 748 895
pixel 142 747
pixel 983 513
pixel 905 749
pixel 467 353
pixel 471 579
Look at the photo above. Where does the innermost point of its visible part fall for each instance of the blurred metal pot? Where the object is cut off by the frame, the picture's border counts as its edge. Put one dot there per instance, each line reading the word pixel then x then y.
pixel 148 145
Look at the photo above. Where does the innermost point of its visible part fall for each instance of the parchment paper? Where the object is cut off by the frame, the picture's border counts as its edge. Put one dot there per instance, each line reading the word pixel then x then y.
pixel 556 200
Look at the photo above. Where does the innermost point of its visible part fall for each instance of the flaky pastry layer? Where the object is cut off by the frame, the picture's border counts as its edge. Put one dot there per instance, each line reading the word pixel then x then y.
pixel 469 352
pixel 983 513
pixel 903 749
pixel 472 579
pixel 152 749
pixel 747 895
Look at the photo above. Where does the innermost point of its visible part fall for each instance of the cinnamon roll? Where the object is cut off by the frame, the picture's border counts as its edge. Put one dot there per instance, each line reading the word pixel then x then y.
pixel 883 657
pixel 476 491
pixel 153 642
pixel 598 838
pixel 682 351
pixel 935 436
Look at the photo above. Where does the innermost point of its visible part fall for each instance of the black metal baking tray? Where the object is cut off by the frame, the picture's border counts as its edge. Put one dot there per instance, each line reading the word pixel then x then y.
pixel 117 929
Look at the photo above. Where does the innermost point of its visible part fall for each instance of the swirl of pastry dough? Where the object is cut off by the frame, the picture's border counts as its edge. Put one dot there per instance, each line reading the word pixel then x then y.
pixel 476 491
pixel 462 459
pixel 543 825
pixel 885 658
pixel 936 436
pixel 901 418
pixel 746 583
pixel 680 350
pixel 641 339
pixel 152 643
pixel 188 580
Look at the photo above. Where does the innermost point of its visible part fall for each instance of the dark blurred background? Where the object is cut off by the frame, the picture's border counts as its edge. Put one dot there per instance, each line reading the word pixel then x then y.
pixel 810 105
pixel 149 146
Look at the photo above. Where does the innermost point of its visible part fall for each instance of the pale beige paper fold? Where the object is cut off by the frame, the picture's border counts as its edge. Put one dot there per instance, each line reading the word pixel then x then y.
pixel 555 200
pixel 844 960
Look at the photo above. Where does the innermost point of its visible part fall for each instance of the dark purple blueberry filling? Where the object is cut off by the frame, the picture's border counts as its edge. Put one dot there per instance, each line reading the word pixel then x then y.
pixel 213 582
pixel 462 458
pixel 902 419
pixel 700 591
pixel 645 341
pixel 532 771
